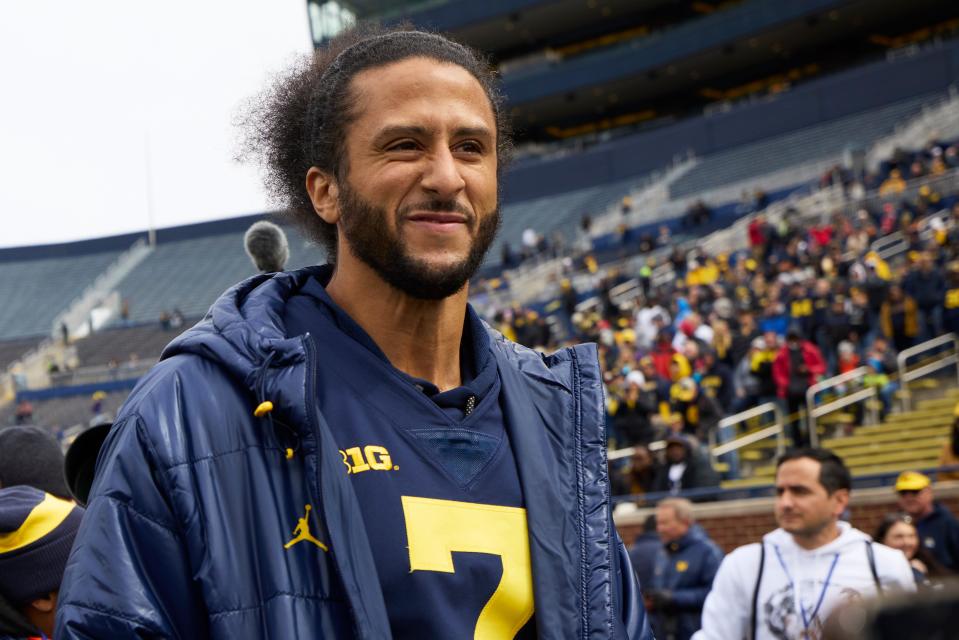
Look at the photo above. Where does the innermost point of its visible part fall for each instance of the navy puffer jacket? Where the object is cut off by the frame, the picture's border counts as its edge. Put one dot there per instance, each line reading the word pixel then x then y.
pixel 195 497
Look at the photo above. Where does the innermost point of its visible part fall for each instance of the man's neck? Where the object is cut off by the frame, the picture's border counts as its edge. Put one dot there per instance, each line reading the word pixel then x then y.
pixel 819 539
pixel 419 337
pixel 925 513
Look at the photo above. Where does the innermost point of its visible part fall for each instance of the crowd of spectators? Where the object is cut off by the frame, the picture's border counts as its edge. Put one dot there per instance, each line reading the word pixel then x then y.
pixel 803 301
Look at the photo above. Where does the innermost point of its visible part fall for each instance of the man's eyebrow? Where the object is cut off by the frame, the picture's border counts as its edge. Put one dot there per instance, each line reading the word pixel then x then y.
pixel 478 132
pixel 400 130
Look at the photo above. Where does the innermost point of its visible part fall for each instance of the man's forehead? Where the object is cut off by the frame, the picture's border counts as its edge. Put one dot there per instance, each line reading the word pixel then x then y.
pixel 415 77
pixel 798 472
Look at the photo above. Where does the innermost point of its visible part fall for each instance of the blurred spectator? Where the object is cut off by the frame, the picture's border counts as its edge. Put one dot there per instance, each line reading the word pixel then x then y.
pixel 743 337
pixel 899 318
pixel 639 475
pixel 897 530
pixel 685 567
pixel 697 214
pixel 747 382
pixel 938 528
pixel 893 185
pixel 635 410
pixel 97 409
pixel 877 379
pixel 664 237
pixel 796 368
pixel 31 456
pixel 530 243
pixel 644 551
pixel 950 300
pixel 949 456
pixel 24 412
pixel 36 533
pixel 848 359
pixel 927 287
pixel 507 257
pixel 685 468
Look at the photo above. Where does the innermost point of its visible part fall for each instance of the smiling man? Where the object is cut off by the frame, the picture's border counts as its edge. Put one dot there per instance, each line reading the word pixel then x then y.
pixel 348 450
pixel 811 564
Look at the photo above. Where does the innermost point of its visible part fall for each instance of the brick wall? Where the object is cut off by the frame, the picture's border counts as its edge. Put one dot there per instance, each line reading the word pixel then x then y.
pixel 738 522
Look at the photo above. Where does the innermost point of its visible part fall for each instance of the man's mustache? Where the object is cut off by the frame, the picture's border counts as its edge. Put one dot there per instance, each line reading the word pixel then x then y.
pixel 438 206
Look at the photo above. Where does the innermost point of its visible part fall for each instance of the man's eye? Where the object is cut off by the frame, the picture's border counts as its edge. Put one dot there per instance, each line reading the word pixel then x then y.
pixel 470 146
pixel 403 145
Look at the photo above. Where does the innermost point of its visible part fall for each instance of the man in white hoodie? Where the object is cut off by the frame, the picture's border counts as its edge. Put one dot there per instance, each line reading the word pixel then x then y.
pixel 786 586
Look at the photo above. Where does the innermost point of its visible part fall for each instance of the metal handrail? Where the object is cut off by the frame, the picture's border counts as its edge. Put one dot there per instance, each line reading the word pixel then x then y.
pixel 813 412
pixel 625 452
pixel 775 429
pixel 907 376
pixel 852 398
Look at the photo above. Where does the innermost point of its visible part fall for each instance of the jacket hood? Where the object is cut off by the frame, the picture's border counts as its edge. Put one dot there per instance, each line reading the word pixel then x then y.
pixel 244 335
pixel 244 327
pixel 848 537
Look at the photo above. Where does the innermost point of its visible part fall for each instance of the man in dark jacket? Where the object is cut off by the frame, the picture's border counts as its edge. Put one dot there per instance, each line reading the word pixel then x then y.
pixel 926 285
pixel 937 527
pixel 348 451
pixel 644 551
pixel 685 467
pixel 684 572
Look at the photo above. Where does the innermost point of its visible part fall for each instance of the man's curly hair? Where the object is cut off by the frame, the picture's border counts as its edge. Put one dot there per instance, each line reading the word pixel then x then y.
pixel 301 120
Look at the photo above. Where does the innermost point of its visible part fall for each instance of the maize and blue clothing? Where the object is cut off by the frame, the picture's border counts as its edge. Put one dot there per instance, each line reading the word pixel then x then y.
pixel 249 488
pixel 684 571
pixel 939 533
pixel 37 530
pixel 448 448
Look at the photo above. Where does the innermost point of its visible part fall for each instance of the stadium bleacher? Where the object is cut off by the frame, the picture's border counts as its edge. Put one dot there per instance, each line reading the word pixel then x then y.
pixel 190 274
pixel 13 349
pixel 62 413
pixel 829 139
pixel 58 281
pixel 121 344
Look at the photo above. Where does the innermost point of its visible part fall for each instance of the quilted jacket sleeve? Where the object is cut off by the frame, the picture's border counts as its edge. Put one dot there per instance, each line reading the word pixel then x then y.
pixel 128 575
pixel 633 611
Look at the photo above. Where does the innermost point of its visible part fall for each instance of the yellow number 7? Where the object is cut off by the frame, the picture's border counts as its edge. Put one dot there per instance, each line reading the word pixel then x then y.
pixel 437 528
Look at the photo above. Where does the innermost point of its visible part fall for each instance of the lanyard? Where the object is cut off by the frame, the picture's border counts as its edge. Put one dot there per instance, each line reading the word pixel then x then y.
pixel 806 621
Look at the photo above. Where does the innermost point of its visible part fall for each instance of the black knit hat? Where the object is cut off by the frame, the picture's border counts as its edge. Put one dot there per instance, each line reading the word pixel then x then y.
pixel 31 456
pixel 36 533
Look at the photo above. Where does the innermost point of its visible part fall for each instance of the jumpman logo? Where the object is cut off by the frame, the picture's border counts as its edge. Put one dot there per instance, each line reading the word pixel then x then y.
pixel 302 532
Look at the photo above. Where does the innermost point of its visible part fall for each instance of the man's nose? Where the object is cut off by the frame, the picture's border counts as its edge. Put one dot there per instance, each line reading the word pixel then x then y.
pixel 442 174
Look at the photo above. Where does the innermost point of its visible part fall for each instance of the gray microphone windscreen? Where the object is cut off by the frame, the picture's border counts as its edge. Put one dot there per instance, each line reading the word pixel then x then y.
pixel 266 245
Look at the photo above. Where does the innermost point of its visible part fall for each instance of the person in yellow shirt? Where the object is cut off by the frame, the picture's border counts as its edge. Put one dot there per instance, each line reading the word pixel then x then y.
pixel 893 185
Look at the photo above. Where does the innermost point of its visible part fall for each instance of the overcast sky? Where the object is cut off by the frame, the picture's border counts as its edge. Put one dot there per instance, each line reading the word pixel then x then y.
pixel 104 102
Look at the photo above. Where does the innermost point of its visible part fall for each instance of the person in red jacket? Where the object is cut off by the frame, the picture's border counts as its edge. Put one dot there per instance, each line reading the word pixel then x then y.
pixel 797 367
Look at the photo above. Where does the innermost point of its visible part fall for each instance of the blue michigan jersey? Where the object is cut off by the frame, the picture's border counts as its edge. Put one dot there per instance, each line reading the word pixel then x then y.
pixel 435 477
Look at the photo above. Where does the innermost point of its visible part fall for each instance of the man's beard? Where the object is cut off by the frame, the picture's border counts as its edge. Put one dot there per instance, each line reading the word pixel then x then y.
pixel 367 233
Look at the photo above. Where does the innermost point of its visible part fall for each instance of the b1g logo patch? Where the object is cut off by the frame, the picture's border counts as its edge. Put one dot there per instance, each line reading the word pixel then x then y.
pixel 371 457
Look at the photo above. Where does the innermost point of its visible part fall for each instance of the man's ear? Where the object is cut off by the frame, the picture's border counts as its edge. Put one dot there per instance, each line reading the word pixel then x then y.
pixel 842 500
pixel 45 605
pixel 323 192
